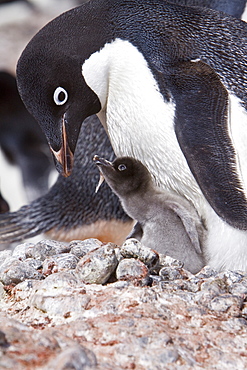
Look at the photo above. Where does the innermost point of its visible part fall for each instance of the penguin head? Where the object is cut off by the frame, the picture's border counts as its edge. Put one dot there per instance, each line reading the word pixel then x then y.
pixel 125 175
pixel 55 93
pixel 51 83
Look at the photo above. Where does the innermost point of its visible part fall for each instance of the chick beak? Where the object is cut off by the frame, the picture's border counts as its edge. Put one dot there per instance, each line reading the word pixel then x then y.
pixel 101 180
pixel 100 162
pixel 64 156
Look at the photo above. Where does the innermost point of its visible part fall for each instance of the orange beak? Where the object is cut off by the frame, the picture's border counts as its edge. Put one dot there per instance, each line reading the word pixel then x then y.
pixel 64 155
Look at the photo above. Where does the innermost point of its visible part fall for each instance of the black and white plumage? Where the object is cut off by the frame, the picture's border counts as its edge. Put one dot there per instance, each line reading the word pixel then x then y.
pixel 167 82
pixel 167 222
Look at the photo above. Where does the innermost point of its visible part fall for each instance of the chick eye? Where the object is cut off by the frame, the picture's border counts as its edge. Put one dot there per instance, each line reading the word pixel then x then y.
pixel 122 167
pixel 60 96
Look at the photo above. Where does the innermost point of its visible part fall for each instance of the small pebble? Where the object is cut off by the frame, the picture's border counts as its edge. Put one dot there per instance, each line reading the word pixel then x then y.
pixel 206 272
pixel 239 288
pixel 132 248
pixel 235 323
pixel 169 355
pixel 167 261
pixel 156 279
pixel 191 286
pixel 59 262
pixel 130 268
pixel 46 248
pixel 81 247
pixel 168 273
pixel 36 264
pixel 13 271
pixel 232 277
pixel 223 303
pixel 97 266
pixel 20 251
pixel 214 286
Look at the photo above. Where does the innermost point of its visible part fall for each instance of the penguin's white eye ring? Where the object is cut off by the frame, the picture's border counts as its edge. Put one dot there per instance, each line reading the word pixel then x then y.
pixel 122 167
pixel 60 96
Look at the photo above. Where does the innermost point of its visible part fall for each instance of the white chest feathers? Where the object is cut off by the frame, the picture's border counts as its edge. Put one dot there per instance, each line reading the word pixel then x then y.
pixel 139 122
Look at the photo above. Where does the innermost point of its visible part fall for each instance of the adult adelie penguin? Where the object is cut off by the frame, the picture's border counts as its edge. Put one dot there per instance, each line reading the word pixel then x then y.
pixel 132 63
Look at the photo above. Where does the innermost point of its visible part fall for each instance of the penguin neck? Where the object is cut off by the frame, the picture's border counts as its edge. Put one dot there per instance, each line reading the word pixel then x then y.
pixel 142 205
pixel 132 106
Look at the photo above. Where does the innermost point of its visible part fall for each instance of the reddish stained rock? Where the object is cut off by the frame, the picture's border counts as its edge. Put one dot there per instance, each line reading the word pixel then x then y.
pixel 131 269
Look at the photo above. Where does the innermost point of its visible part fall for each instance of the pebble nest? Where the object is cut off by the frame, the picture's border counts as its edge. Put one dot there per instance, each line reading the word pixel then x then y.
pixel 121 307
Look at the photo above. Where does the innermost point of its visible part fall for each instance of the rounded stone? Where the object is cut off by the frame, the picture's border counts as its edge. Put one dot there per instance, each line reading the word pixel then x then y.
pixel 46 248
pixel 206 272
pixel 167 261
pixel 132 248
pixel 20 250
pixel 59 262
pixel 97 266
pixel 130 268
pixel 169 273
pixel 13 271
pixel 81 247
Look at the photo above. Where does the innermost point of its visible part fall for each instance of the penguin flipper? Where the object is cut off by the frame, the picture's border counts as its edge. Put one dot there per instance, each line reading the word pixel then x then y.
pixel 192 225
pixel 201 126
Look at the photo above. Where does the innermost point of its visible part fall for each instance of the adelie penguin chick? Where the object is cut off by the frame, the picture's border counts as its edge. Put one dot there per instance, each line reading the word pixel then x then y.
pixel 169 223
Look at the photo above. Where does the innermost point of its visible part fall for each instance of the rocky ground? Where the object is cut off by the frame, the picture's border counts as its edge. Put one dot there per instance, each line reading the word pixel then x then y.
pixel 89 305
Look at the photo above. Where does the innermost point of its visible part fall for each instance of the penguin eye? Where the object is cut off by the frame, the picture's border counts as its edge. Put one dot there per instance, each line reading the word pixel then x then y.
pixel 122 167
pixel 60 96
